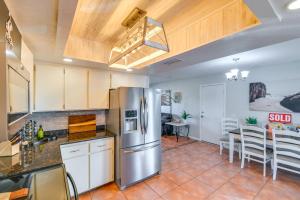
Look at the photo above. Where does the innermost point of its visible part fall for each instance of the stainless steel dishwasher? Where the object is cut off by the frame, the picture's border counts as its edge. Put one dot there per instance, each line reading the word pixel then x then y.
pixel 52 184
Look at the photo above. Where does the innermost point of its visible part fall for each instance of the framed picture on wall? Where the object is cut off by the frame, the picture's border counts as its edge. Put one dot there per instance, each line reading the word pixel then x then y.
pixel 177 97
pixel 275 96
pixel 166 98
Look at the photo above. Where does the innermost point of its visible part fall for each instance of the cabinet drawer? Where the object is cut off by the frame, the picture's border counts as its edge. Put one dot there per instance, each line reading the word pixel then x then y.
pixel 74 150
pixel 101 145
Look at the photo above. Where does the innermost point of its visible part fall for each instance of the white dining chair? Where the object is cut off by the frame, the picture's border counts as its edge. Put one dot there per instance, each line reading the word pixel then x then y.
pixel 254 146
pixel 229 124
pixel 286 147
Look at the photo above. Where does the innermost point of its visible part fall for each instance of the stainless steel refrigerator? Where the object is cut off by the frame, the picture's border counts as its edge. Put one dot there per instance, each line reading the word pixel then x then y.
pixel 134 117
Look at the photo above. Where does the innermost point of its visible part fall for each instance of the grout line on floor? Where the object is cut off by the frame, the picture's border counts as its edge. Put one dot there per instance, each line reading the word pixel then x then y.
pixel 261 188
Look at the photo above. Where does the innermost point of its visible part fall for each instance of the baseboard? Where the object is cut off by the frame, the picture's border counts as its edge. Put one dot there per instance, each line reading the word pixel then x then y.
pixel 194 138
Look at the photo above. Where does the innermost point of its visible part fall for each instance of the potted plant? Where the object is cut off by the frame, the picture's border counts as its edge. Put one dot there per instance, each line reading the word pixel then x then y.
pixel 185 116
pixel 251 121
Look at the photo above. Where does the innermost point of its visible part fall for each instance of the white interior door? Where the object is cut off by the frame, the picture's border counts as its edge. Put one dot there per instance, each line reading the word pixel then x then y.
pixel 212 104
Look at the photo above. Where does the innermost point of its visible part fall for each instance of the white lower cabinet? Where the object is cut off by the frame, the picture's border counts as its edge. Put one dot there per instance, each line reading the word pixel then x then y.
pixel 101 168
pixel 90 163
pixel 78 167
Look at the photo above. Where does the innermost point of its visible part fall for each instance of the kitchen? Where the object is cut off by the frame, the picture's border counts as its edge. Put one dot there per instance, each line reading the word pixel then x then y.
pixel 81 90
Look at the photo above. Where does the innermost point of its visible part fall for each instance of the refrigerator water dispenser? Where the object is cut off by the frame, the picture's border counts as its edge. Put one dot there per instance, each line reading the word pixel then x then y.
pixel 130 120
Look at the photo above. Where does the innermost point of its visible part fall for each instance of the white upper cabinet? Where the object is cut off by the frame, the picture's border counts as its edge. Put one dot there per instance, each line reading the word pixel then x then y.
pixel 76 88
pixel 49 88
pixel 27 60
pixel 18 92
pixel 128 80
pixel 98 89
pixel 59 87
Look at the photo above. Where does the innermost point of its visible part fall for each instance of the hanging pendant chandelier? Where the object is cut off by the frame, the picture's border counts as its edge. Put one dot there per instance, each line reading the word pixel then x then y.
pixel 233 75
pixel 145 40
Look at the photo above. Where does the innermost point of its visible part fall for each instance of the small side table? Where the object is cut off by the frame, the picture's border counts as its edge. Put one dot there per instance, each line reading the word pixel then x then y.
pixel 177 126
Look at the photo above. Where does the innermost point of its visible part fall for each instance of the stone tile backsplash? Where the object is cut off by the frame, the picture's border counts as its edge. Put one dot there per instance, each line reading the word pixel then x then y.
pixel 59 120
pixel 55 120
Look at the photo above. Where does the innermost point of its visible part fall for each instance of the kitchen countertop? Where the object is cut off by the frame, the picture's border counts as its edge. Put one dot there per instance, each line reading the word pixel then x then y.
pixel 39 157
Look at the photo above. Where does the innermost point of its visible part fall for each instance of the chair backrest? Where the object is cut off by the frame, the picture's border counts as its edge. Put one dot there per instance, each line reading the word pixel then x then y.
pixel 229 124
pixel 253 139
pixel 286 143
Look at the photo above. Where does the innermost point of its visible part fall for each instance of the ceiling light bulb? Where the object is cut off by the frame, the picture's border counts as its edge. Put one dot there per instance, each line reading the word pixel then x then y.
pixel 9 52
pixel 294 5
pixel 228 75
pixel 234 72
pixel 129 69
pixel 68 60
pixel 244 74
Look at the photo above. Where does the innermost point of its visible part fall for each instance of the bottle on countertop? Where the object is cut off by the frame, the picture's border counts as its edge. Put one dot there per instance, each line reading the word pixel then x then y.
pixel 40 133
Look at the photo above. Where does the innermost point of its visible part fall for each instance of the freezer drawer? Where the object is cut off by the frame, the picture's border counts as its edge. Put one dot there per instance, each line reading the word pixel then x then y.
pixel 140 163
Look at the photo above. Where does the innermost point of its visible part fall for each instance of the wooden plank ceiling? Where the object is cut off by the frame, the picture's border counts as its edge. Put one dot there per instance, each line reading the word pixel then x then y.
pixel 188 24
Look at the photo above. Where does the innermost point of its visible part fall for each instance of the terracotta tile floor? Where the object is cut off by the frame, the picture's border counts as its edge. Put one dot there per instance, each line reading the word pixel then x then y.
pixel 197 171
pixel 170 142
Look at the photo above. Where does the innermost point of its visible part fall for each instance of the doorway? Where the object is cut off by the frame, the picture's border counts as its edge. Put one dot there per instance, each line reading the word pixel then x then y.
pixel 212 110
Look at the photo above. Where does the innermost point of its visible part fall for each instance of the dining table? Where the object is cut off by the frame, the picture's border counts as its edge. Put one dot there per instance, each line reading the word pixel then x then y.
pixel 177 126
pixel 235 134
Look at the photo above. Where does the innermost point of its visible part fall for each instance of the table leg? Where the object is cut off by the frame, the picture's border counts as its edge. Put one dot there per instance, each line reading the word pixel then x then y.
pixel 177 132
pixel 188 127
pixel 231 147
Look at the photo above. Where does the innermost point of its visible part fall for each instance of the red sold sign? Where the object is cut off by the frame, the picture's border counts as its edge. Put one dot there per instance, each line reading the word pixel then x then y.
pixel 282 118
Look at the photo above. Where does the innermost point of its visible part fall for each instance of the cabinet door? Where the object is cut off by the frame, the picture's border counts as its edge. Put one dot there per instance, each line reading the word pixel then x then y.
pixel 75 88
pixel 18 92
pixel 129 80
pixel 101 168
pixel 49 88
pixel 98 89
pixel 27 59
pixel 78 167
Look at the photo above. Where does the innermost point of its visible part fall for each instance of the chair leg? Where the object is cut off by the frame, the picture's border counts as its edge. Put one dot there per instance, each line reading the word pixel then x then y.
pixel 248 158
pixel 275 171
pixel 272 164
pixel 264 168
pixel 240 152
pixel 243 160
pixel 221 148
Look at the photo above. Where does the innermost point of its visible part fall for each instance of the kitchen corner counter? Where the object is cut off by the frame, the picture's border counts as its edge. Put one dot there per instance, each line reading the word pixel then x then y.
pixel 39 157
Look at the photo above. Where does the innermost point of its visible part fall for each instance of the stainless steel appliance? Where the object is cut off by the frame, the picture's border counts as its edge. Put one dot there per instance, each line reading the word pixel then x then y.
pixel 52 184
pixel 134 117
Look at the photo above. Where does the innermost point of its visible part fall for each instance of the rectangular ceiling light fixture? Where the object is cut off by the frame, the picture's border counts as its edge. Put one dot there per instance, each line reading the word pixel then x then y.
pixel 144 41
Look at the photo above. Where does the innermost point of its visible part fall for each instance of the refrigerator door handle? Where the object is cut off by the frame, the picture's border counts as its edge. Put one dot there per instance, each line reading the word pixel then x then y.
pixel 141 115
pixel 141 149
pixel 146 115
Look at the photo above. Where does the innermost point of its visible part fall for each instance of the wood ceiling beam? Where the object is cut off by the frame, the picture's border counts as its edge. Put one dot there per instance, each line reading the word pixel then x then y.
pixel 89 50
pixel 188 24
pixel 196 28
